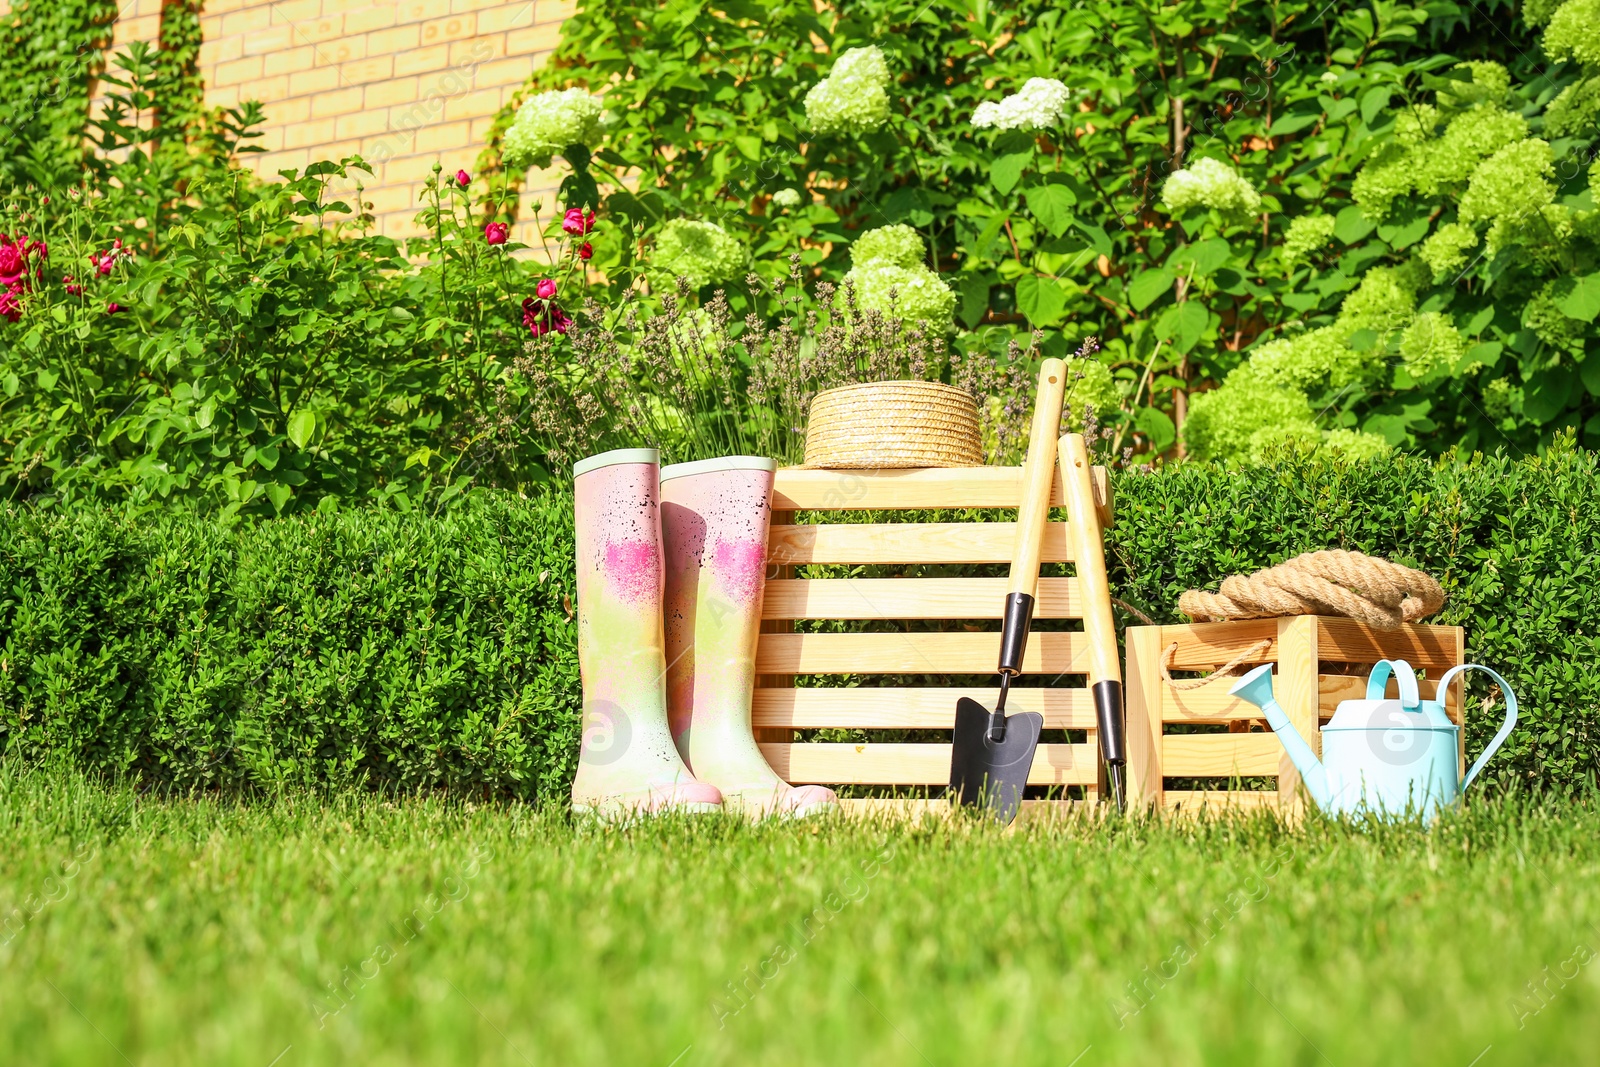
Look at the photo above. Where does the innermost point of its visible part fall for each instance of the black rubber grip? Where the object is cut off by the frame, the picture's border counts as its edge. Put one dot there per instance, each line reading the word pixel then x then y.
pixel 1108 712
pixel 1014 635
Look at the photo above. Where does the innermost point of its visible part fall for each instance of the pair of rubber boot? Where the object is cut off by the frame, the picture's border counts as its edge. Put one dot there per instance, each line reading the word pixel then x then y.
pixel 671 564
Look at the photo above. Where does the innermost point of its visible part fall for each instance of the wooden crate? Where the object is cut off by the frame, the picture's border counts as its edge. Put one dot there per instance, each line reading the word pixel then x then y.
pixel 1320 662
pixel 780 708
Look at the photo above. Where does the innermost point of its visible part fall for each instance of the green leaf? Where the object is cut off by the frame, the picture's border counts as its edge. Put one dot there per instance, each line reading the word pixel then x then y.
pixel 1147 288
pixel 974 299
pixel 1006 171
pixel 267 456
pixel 1293 123
pixel 1205 256
pixel 1350 225
pixel 1193 318
pixel 1052 205
pixel 302 424
pixel 279 494
pixel 1583 302
pixel 1548 394
pixel 1097 237
pixel 1157 426
pixel 1590 373
pixel 1041 299
pixel 749 146
pixel 1373 101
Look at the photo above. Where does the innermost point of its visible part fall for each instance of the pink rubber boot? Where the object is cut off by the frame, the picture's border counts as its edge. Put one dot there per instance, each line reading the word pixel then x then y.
pixel 714 518
pixel 628 763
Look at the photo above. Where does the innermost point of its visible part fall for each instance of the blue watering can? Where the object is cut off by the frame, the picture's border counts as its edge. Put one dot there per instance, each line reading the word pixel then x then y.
pixel 1388 756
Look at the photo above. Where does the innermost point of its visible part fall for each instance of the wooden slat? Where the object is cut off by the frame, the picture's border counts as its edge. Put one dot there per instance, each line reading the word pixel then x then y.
pixel 1204 646
pixel 914 653
pixel 913 764
pixel 1194 801
pixel 911 598
pixel 1422 646
pixel 935 487
pixel 916 810
pixel 1219 755
pixel 911 709
pixel 1211 703
pixel 908 542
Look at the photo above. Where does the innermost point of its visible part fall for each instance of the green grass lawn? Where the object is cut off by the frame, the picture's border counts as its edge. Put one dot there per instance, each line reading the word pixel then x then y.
pixel 351 929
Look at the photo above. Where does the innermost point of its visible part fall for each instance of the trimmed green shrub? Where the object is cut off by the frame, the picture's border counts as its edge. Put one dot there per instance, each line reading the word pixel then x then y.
pixel 404 651
pixel 439 652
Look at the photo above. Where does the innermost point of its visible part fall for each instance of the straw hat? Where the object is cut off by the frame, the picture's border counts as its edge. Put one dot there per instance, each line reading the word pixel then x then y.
pixel 894 424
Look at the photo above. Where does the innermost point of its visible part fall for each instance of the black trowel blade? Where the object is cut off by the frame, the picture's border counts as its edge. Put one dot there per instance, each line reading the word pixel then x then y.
pixel 988 773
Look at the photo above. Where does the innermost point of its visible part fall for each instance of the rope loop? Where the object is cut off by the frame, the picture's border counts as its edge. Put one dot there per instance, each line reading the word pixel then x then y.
pixel 1255 651
pixel 1335 582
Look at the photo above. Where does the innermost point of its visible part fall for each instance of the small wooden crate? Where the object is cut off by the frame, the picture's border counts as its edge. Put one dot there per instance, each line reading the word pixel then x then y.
pixel 1308 652
pixel 780 708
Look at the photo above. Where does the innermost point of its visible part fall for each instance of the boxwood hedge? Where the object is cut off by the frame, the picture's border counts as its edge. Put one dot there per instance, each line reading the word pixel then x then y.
pixel 415 651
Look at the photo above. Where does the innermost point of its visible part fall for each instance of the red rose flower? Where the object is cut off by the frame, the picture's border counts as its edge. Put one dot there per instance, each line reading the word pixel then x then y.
pixel 586 251
pixel 73 288
pixel 542 317
pixel 546 288
pixel 496 233
pixel 463 179
pixel 113 307
pixel 10 306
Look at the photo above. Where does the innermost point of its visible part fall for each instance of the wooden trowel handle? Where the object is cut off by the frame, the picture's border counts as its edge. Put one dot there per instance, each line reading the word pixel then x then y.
pixel 1037 474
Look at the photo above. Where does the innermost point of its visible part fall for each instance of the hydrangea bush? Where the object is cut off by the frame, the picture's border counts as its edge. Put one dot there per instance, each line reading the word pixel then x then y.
pixel 854 97
pixel 701 253
pixel 889 274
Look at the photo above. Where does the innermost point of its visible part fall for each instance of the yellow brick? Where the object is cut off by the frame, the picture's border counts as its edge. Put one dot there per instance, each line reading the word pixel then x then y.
pixel 537 39
pixel 473 105
pixel 442 137
pixel 336 102
pixel 319 30
pixel 294 158
pixel 271 39
pixel 451 28
pixel 211 23
pixel 266 90
pixel 386 94
pixel 311 132
pixel 320 80
pixel 291 61
pixel 480 129
pixel 218 8
pixel 513 71
pixel 458 6
pixel 484 47
pixel 143 28
pixel 420 60
pixel 287 12
pixel 556 10
pixel 344 50
pixel 370 18
pixel 220 51
pixel 245 20
pixel 334 7
pixel 286 112
pixel 505 17
pixel 240 70
pixel 362 124
pixel 221 96
pixel 393 41
pixel 420 10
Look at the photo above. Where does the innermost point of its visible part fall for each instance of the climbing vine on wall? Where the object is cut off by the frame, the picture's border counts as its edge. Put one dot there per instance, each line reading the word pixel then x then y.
pixel 50 51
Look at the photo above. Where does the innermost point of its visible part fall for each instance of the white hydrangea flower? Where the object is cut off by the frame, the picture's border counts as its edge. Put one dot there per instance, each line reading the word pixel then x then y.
pixel 786 198
pixel 1213 184
pixel 898 244
pixel 547 123
pixel 1039 106
pixel 699 251
pixel 918 293
pixel 854 97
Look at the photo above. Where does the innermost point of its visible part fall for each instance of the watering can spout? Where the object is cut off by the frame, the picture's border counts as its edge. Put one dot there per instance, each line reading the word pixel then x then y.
pixel 1256 687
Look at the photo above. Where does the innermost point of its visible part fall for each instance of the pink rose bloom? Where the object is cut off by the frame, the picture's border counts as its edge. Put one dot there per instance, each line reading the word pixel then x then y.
pixel 576 222
pixel 10 306
pixel 546 288
pixel 463 179
pixel 586 251
pixel 113 307
pixel 74 289
pixel 496 233
pixel 12 263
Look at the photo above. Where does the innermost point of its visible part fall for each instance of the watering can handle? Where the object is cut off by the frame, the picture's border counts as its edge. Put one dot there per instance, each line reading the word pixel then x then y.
pixel 1505 728
pixel 1378 680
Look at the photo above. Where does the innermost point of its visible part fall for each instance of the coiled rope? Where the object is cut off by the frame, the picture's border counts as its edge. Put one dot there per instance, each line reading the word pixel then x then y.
pixel 1334 582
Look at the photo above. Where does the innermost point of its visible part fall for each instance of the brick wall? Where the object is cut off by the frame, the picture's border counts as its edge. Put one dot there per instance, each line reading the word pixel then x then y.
pixel 403 83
